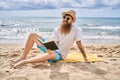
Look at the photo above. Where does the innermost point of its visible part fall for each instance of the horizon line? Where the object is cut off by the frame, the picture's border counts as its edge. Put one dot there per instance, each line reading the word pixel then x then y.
pixel 56 17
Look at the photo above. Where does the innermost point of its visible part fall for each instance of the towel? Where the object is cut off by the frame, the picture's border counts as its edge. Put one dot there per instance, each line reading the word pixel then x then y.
pixel 77 57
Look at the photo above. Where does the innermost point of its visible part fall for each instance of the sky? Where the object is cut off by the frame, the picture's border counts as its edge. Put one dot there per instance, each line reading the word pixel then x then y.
pixel 54 8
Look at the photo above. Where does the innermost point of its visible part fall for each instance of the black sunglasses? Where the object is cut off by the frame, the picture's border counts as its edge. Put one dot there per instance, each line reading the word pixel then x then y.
pixel 65 17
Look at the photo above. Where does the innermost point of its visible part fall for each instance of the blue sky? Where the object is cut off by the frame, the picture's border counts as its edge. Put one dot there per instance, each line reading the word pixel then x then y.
pixel 54 8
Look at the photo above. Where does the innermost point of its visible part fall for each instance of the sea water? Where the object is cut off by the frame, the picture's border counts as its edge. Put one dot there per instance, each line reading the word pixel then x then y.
pixel 95 30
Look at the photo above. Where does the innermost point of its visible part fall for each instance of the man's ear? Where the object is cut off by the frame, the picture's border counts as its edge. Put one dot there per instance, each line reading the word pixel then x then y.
pixel 72 21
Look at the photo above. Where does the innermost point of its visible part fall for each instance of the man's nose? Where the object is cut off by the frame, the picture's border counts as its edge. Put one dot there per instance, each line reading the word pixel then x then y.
pixel 65 19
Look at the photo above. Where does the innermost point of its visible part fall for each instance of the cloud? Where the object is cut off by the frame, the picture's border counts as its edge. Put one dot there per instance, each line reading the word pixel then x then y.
pixel 55 4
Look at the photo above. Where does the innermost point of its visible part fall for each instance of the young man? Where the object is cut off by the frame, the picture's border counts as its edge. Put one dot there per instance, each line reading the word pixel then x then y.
pixel 64 36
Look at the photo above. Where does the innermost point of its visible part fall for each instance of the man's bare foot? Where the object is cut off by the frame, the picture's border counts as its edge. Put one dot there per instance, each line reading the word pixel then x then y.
pixel 20 63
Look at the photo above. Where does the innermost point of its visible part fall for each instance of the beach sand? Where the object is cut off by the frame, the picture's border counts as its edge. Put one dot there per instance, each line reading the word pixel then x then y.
pixel 109 69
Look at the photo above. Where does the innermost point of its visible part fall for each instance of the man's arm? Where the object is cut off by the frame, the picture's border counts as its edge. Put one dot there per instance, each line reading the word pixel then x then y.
pixel 80 46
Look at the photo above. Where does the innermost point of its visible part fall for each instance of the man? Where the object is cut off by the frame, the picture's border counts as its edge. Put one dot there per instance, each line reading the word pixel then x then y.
pixel 64 36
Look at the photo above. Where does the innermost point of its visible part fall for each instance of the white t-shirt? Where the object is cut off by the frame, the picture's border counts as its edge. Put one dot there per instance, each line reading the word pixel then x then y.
pixel 65 42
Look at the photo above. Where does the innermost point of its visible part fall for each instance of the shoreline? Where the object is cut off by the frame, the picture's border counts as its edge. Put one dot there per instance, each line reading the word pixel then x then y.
pixel 84 41
pixel 84 44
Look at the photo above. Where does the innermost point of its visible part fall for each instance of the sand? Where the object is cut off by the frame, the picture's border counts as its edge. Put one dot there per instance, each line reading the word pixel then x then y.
pixel 109 69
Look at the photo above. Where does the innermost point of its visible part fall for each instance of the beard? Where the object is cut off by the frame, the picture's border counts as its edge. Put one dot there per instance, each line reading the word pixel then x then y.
pixel 65 27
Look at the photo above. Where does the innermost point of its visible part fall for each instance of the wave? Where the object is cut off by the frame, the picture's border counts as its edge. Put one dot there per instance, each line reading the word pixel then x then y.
pixel 9 24
pixel 23 30
pixel 102 37
pixel 103 27
pixel 11 37
pixel 20 35
pixel 47 35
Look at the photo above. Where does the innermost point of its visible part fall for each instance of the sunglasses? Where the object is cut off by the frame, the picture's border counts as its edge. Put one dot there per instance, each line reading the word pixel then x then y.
pixel 66 17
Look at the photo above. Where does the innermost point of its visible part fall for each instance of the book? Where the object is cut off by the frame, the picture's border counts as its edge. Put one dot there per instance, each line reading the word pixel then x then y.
pixel 50 45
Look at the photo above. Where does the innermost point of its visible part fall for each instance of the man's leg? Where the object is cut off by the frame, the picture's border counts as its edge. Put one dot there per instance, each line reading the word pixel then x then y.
pixel 33 38
pixel 40 58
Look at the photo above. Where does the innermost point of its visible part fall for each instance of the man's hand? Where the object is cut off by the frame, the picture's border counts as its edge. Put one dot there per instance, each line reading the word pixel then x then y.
pixel 86 60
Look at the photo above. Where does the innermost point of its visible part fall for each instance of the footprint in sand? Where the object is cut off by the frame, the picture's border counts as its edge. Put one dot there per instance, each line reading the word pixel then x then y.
pixel 113 59
pixel 16 78
pixel 14 55
pixel 41 66
pixel 3 54
pixel 59 76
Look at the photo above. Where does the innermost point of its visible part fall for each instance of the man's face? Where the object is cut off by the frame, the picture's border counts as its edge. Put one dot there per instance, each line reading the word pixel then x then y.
pixel 67 22
pixel 67 19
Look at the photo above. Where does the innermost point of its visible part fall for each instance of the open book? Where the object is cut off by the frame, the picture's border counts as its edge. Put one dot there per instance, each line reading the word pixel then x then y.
pixel 50 45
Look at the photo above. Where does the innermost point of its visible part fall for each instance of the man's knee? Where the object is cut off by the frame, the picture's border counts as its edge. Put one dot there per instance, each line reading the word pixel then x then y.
pixel 52 55
pixel 33 35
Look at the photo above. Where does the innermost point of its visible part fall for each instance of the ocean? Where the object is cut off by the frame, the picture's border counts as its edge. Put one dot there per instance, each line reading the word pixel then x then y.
pixel 95 30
